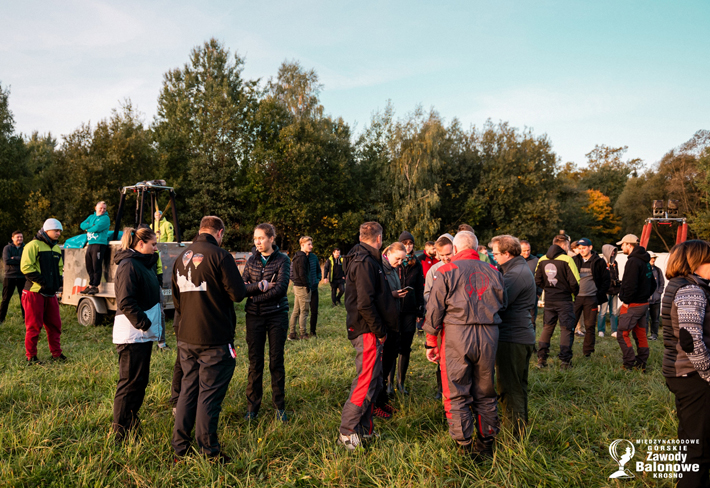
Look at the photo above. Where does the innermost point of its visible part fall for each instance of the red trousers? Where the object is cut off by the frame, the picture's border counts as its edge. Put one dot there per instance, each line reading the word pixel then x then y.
pixel 39 311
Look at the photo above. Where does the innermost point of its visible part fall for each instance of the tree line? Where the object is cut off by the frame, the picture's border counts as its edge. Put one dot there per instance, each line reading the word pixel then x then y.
pixel 252 151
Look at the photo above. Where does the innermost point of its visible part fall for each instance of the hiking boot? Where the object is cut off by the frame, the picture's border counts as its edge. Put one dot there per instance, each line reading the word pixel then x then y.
pixel 60 359
pixel 390 389
pixel 293 337
pixel 541 363
pixel 381 414
pixel 92 290
pixel 33 360
pixel 304 337
pixel 653 337
pixel 482 449
pixel 565 364
pixel 281 416
pixel 438 396
pixel 350 442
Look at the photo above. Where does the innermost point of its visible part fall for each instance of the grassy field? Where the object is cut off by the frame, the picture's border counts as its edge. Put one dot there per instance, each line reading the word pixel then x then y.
pixel 55 419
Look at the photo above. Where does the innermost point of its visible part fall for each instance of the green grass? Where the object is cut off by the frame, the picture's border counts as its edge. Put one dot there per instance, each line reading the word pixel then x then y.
pixel 55 420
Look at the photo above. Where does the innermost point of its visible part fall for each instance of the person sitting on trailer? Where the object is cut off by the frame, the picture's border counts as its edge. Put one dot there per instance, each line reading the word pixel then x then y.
pixel 163 228
pixel 96 226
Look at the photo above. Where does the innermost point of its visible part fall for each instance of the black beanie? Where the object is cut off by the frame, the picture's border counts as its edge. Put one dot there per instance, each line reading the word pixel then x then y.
pixel 406 236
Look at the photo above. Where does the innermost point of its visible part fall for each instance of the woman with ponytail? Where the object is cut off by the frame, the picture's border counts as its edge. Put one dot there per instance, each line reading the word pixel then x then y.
pixel 137 324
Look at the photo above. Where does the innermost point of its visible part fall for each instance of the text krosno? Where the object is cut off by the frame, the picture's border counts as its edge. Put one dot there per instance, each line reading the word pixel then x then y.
pixel 666 458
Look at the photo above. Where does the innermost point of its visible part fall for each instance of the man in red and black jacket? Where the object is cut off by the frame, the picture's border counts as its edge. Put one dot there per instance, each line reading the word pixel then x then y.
pixel 637 286
pixel 371 310
pixel 206 283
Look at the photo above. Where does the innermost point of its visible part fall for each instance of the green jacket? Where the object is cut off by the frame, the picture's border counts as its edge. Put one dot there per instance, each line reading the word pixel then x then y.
pixel 42 265
pixel 96 228
pixel 165 231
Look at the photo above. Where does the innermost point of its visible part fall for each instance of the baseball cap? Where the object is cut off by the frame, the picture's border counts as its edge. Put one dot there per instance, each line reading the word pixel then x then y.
pixel 584 242
pixel 652 254
pixel 52 224
pixel 628 238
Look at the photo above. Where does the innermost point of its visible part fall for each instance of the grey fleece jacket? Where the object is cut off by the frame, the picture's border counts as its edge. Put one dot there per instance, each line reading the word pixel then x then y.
pixel 516 325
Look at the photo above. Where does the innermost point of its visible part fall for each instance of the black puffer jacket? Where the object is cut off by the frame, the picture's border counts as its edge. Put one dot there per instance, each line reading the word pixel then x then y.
pixel 369 303
pixel 301 269
pixel 412 274
pixel 638 283
pixel 137 287
pixel 277 271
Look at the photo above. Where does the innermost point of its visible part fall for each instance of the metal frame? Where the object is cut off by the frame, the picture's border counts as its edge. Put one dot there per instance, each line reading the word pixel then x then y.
pixel 681 234
pixel 152 189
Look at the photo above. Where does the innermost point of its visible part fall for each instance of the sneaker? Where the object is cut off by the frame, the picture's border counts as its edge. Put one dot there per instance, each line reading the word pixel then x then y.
pixel 601 333
pixel 251 415
pixel 61 358
pixel 437 395
pixel 613 334
pixel 541 363
pixel 371 436
pixel 281 416
pixel 304 337
pixel 653 337
pixel 163 347
pixel 174 411
pixel 33 360
pixel 390 389
pixel 350 442
pixel 565 365
pixel 292 337
pixel 579 334
pixel 381 414
pixel 92 290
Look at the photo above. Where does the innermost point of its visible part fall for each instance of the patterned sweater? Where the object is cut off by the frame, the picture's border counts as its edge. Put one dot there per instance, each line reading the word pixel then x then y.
pixel 690 303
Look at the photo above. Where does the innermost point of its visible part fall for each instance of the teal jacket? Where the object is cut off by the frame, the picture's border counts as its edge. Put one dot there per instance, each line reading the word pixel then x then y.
pixel 96 228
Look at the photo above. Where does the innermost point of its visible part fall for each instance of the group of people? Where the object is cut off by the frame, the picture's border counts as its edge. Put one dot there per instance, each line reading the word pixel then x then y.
pixel 478 316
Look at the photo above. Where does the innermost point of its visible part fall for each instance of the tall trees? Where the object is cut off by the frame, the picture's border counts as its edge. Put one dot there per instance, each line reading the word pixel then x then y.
pixel 203 129
pixel 13 169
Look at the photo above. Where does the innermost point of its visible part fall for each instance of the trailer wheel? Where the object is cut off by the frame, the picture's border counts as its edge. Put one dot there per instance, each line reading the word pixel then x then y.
pixel 86 313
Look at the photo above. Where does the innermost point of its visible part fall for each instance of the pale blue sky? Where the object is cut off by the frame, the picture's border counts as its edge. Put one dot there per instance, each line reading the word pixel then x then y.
pixel 633 73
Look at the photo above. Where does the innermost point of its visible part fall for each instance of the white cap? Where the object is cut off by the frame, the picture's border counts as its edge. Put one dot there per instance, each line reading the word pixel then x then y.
pixel 652 254
pixel 52 224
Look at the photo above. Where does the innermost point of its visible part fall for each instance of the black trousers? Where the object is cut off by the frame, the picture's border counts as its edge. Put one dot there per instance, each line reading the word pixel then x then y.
pixel 207 371
pixel 314 309
pixel 274 326
pixel 9 285
pixel 176 383
pixel 512 367
pixel 95 254
pixel 692 403
pixel 133 374
pixel 337 288
pixel 407 330
pixel 390 350
pixel 564 312
pixel 589 306
pixel 654 312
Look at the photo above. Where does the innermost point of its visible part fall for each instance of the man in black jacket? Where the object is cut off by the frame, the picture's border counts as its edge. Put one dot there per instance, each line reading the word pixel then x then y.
pixel 531 259
pixel 206 282
pixel 557 275
pixel 371 309
pixel 300 275
pixel 594 281
pixel 13 279
pixel 654 303
pixel 333 272
pixel 637 286
pixel 516 339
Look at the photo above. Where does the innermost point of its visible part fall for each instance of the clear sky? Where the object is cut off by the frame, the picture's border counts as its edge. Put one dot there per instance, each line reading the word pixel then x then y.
pixel 633 73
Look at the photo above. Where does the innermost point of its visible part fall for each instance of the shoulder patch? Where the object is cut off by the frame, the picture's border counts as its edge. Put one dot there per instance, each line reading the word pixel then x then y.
pixel 447 267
